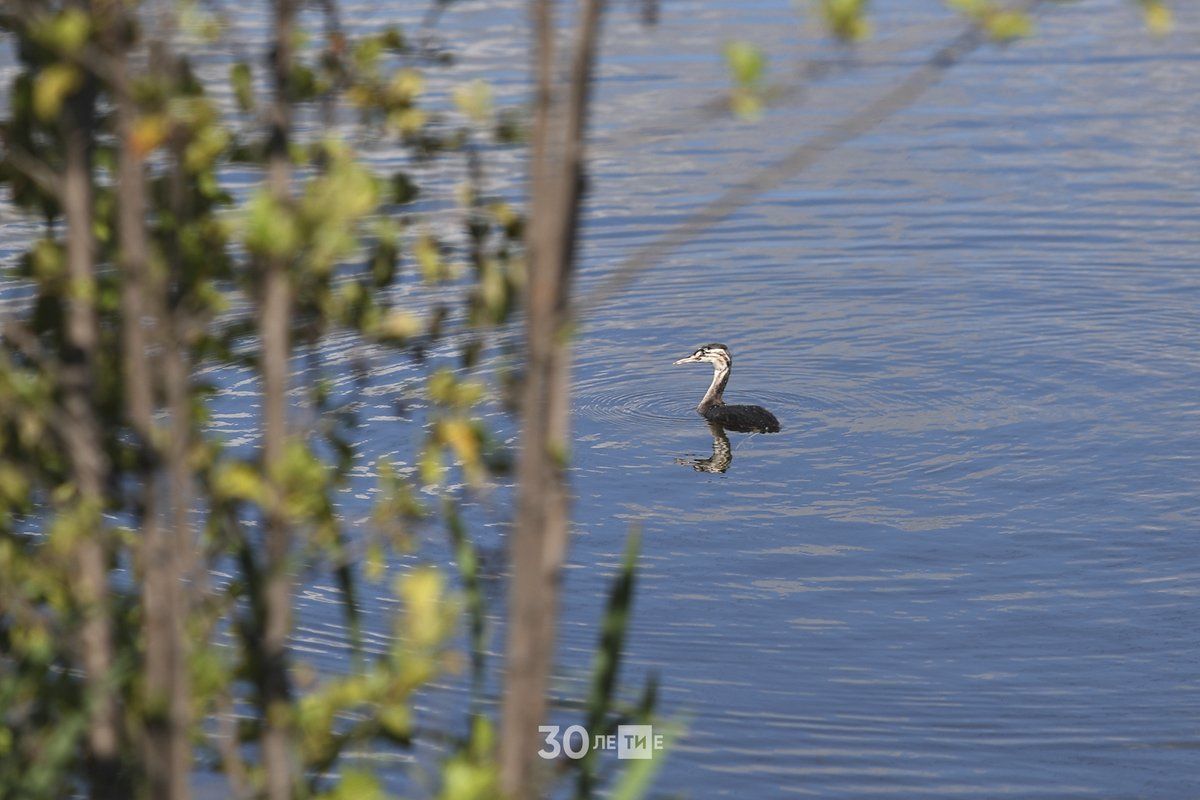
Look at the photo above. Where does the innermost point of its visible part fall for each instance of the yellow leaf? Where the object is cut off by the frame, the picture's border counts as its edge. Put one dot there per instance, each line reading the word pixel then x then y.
pixel 474 99
pixel 846 19
pixel 407 121
pixel 355 784
pixel 460 435
pixel 399 325
pixel 747 105
pixel 51 87
pixel 205 146
pixel 1159 19
pixel 374 564
pixel 269 227
pixel 237 480
pixel 504 214
pixel 406 85
pixel 746 62
pixel 396 720
pixel 423 591
pixel 148 133
pixel 66 33
pixel 430 465
pixel 1006 26
pixel 430 259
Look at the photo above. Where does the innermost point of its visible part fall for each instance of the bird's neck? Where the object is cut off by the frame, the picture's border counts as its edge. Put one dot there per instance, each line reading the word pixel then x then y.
pixel 713 397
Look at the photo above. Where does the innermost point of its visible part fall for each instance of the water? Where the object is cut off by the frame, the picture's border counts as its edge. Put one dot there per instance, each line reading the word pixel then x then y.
pixel 968 566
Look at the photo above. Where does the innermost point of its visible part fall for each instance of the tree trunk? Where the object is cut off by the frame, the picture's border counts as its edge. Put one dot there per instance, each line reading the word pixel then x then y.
pixel 181 545
pixel 539 540
pixel 81 434
pixel 274 330
pixel 165 737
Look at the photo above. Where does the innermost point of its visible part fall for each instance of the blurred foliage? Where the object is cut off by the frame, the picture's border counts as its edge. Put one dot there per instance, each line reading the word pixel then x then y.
pixel 1159 18
pixel 350 237
pixel 747 67
pixel 846 19
pixel 603 716
pixel 1002 23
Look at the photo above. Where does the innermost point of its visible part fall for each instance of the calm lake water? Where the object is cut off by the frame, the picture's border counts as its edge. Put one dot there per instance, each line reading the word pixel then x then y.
pixel 969 566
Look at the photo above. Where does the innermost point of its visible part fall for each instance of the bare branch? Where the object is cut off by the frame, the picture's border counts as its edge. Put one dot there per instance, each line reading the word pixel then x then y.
pixel 539 539
pixel 896 99
pixel 777 94
pixel 34 169
pixel 274 331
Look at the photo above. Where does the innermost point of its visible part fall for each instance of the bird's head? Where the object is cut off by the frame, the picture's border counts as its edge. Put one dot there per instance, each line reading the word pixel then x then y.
pixel 715 354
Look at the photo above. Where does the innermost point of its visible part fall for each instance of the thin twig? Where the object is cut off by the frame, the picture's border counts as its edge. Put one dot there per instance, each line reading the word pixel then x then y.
pixel 33 168
pixel 898 98
pixel 778 93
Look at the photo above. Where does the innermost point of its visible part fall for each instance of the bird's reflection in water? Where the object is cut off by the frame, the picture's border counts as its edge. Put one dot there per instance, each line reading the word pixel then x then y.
pixel 722 453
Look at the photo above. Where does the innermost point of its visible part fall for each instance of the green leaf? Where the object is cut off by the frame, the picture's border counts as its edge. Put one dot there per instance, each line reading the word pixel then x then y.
pixel 302 83
pixel 607 659
pixel 1007 26
pixel 430 465
pixel 47 261
pixel 334 204
pixel 635 781
pixel 65 33
pixel 404 190
pixel 474 99
pixel 746 62
pixel 270 228
pixel 747 105
pixel 393 39
pixel 448 390
pixel 1000 23
pixel 612 633
pixel 51 88
pixel 237 480
pixel 406 86
pixel 429 257
pixel 355 784
pixel 399 326
pixel 464 779
pixel 510 127
pixel 206 145
pixel 846 19
pixel 1159 19
pixel 243 85
pixel 425 619
pixel 747 65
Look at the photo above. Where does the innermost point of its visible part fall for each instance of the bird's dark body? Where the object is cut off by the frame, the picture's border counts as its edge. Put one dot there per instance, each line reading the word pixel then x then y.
pixel 743 419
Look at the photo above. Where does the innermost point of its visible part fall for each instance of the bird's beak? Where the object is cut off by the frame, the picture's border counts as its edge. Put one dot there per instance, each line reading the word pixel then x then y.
pixel 688 360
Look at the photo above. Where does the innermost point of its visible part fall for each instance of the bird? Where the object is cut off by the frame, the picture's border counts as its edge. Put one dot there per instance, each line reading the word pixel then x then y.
pixel 744 419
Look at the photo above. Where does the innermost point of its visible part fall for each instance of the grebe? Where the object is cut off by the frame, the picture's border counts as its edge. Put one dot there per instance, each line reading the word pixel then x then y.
pixel 736 418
